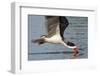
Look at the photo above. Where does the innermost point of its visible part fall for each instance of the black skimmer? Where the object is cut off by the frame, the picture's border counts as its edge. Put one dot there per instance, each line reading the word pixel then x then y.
pixel 56 26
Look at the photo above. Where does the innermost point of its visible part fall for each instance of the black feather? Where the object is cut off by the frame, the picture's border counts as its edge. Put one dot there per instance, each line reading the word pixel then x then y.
pixel 63 25
pixel 70 43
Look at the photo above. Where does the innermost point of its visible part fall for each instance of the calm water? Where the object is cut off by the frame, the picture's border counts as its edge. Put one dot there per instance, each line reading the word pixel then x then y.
pixel 76 32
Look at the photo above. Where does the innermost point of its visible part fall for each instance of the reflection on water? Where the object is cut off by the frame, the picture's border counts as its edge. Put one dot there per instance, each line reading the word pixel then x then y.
pixel 76 32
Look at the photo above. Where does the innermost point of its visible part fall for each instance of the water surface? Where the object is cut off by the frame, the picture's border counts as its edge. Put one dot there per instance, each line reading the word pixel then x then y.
pixel 76 32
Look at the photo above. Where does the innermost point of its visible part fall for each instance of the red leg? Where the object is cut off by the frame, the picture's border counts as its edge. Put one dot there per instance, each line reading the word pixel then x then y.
pixel 75 51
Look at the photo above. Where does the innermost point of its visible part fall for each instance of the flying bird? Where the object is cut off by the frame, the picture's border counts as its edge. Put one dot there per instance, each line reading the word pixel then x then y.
pixel 56 26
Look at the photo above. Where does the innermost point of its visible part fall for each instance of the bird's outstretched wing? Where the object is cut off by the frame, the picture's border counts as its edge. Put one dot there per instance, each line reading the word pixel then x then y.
pixel 63 25
pixel 52 25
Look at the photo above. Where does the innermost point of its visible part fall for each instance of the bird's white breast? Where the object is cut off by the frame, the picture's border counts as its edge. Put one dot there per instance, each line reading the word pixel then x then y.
pixel 54 39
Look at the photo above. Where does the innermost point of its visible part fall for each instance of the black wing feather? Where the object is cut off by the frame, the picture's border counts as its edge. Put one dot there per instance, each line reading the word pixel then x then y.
pixel 63 25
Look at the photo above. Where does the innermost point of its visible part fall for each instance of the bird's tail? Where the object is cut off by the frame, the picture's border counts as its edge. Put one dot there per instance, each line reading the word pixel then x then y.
pixel 39 41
